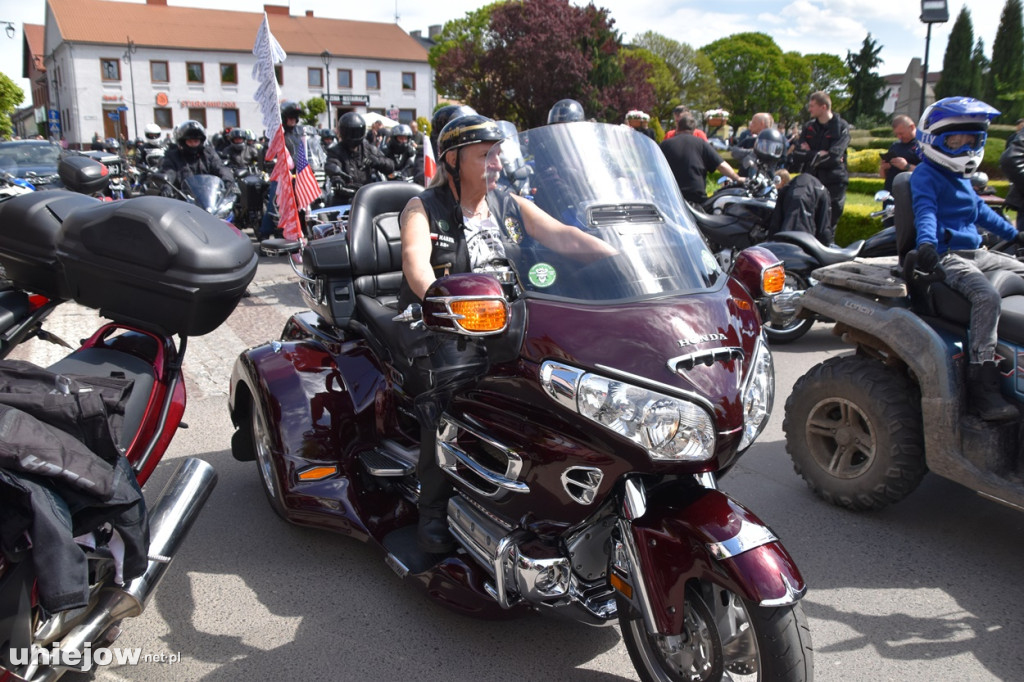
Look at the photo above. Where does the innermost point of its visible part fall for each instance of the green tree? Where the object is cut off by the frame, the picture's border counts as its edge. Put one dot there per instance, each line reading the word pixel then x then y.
pixel 10 97
pixel 1006 73
pixel 828 74
pixel 957 64
pixel 314 106
pixel 979 71
pixel 694 74
pixel 801 79
pixel 660 81
pixel 751 72
pixel 866 86
pixel 503 62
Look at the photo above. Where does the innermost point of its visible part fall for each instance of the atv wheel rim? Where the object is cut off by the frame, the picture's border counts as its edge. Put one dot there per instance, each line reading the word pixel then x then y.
pixel 840 438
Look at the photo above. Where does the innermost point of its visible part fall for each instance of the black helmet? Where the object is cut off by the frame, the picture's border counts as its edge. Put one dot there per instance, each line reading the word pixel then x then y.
pixel 236 134
pixel 566 111
pixel 442 116
pixel 466 130
pixel 351 129
pixel 326 135
pixel 769 146
pixel 290 110
pixel 190 130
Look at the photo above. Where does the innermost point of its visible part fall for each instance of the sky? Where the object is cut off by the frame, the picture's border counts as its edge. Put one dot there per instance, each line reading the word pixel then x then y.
pixel 804 26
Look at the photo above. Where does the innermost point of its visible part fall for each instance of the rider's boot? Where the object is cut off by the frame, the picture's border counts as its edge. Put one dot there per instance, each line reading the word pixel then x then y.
pixel 983 395
pixel 432 534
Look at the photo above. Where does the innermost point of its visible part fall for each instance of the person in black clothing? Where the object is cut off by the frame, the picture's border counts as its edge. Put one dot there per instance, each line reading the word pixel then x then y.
pixel 353 158
pixel 821 150
pixel 192 156
pixel 401 150
pixel 238 154
pixel 803 206
pixel 1012 163
pixel 691 159
pixel 904 154
pixel 450 228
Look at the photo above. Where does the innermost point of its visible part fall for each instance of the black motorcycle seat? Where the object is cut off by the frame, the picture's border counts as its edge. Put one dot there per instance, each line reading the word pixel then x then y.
pixel 826 255
pixel 947 304
pixel 106 362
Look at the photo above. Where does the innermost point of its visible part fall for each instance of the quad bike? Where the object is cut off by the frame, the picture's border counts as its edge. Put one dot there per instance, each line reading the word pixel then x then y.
pixel 585 456
pixel 863 429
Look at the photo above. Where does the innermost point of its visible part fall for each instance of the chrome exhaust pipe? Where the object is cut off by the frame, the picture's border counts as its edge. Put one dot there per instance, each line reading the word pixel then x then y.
pixel 170 520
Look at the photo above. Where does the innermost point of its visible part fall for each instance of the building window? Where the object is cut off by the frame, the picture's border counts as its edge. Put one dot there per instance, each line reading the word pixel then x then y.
pixel 110 69
pixel 231 118
pixel 315 77
pixel 345 78
pixel 194 72
pixel 162 117
pixel 406 115
pixel 198 115
pixel 408 81
pixel 159 73
pixel 373 80
pixel 279 74
pixel 229 74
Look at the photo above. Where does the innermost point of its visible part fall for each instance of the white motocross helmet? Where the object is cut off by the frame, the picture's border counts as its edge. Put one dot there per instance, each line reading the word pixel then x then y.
pixel 942 125
pixel 152 131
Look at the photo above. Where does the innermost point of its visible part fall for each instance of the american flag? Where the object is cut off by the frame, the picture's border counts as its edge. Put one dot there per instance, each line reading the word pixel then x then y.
pixel 306 188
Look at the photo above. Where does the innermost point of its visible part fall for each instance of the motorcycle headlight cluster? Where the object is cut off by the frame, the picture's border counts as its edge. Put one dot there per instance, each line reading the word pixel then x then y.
pixel 670 429
pixel 758 394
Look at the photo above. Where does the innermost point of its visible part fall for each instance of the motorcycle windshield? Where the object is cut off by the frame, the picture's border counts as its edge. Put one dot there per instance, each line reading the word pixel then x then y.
pixel 612 184
pixel 207 190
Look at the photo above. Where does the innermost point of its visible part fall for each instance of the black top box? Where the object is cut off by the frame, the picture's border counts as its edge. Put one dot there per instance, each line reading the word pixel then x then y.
pixel 30 226
pixel 157 263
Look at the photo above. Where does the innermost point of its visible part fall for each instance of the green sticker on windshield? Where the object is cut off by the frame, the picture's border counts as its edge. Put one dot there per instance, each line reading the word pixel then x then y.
pixel 542 275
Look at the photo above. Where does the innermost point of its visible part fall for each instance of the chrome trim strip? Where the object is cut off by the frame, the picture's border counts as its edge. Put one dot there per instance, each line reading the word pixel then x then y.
pixel 750 536
pixel 634 498
pixel 671 390
pixel 636 575
pixel 486 474
pixel 470 425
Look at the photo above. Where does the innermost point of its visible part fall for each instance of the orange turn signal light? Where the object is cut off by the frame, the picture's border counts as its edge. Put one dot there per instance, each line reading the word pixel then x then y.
pixel 773 279
pixel 317 473
pixel 476 315
pixel 621 585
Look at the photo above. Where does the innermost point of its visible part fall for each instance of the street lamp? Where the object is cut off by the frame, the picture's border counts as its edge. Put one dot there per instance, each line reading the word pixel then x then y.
pixel 9 28
pixel 127 58
pixel 325 57
pixel 932 12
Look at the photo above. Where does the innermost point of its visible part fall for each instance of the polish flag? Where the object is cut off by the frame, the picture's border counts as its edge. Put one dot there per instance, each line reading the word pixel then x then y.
pixel 429 162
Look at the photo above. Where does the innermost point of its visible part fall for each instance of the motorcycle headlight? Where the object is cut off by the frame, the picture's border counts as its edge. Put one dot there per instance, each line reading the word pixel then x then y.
pixel 670 429
pixel 758 394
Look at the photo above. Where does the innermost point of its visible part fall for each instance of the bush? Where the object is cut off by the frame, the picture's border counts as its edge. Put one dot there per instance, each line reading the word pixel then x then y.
pixel 856 223
pixel 863 160
pixel 866 186
pixel 885 131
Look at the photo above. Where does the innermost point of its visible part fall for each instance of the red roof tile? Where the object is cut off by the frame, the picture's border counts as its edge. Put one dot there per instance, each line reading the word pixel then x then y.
pixel 109 22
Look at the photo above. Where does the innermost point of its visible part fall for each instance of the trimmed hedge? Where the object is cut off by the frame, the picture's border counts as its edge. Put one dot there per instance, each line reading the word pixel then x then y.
pixel 856 223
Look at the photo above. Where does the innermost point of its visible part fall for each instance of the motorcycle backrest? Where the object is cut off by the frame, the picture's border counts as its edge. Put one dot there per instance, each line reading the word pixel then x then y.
pixel 906 233
pixel 374 241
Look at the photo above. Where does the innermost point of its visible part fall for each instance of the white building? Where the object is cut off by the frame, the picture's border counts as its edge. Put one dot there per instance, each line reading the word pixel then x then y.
pixel 115 66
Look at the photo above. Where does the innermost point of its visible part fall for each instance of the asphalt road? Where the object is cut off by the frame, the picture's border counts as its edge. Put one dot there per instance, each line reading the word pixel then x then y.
pixel 926 590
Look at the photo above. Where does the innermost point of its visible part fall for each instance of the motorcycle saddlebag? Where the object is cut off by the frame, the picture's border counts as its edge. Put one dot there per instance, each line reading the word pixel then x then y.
pixel 331 294
pixel 157 263
pixel 29 228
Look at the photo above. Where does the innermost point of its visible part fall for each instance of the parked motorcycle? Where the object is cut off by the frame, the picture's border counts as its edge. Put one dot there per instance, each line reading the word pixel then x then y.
pixel 158 269
pixel 585 457
pixel 208 192
pixel 253 186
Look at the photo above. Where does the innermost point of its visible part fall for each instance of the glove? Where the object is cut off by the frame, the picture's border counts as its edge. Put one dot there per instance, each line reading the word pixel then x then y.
pixel 927 258
pixel 1019 239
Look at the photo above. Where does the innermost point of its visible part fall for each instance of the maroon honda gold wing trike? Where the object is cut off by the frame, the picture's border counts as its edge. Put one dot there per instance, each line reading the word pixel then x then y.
pixel 585 458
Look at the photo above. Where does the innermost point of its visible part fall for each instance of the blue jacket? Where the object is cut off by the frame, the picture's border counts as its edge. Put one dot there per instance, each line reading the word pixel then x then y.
pixel 948 212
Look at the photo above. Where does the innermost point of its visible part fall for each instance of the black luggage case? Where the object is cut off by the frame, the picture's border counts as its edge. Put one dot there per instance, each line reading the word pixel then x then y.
pixel 156 262
pixel 30 226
